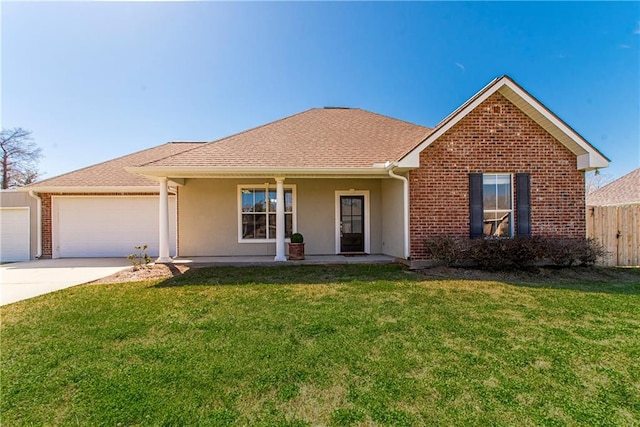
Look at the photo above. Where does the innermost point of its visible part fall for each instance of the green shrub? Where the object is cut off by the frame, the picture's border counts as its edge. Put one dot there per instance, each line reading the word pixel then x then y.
pixel 297 238
pixel 140 259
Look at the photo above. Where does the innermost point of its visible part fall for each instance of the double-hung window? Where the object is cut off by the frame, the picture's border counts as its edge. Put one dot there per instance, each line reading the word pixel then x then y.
pixel 257 213
pixel 497 205
pixel 491 205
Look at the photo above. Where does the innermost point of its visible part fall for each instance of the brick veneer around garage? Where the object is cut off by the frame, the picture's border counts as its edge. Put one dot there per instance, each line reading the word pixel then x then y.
pixel 47 234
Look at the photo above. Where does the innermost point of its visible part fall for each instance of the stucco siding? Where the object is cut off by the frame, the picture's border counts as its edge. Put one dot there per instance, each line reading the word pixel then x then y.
pixel 392 218
pixel 208 220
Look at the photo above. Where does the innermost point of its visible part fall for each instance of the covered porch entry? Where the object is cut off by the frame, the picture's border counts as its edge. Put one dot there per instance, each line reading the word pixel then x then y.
pixel 255 216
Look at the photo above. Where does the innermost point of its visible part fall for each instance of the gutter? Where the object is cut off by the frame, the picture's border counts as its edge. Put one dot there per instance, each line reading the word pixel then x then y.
pixel 39 223
pixel 90 189
pixel 154 172
pixel 389 167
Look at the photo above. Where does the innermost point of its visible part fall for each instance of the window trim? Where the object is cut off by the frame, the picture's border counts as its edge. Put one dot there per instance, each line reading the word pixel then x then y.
pixel 513 206
pixel 266 187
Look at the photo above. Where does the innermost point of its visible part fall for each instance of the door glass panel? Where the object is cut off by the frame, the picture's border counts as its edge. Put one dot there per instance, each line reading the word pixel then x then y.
pixel 356 206
pixel 356 225
pixel 346 226
pixel 346 206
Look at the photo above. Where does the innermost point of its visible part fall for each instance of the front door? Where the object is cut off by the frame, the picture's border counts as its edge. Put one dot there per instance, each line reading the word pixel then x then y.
pixel 351 224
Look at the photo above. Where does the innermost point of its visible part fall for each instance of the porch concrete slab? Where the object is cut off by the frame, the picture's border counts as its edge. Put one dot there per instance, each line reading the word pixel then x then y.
pixel 267 260
pixel 28 279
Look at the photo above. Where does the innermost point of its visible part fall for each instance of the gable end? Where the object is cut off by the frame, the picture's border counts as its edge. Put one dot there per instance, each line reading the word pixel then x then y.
pixel 587 156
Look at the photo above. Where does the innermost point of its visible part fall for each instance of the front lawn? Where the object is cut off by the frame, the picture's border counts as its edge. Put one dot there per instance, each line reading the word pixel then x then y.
pixel 333 345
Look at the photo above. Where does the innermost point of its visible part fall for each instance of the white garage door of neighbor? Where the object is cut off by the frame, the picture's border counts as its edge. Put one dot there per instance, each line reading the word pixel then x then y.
pixel 14 234
pixel 108 226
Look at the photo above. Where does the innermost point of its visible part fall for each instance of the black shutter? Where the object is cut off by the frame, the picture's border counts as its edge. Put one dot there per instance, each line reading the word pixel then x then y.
pixel 523 204
pixel 476 210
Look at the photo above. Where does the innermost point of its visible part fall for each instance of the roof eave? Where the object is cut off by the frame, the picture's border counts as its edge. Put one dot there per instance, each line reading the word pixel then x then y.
pixel 88 189
pixel 244 172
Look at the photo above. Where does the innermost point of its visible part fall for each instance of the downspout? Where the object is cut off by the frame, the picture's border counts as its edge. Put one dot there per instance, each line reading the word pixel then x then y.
pixel 405 190
pixel 39 223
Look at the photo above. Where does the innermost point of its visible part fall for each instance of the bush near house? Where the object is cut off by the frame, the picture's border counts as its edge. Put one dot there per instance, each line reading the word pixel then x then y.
pixel 140 259
pixel 516 253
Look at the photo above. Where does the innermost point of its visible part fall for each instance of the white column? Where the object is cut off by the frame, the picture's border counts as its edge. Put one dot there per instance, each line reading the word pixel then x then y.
pixel 280 256
pixel 164 223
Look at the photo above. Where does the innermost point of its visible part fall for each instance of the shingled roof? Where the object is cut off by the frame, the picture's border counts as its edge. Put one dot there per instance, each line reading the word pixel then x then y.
pixel 314 139
pixel 317 138
pixel 112 173
pixel 622 191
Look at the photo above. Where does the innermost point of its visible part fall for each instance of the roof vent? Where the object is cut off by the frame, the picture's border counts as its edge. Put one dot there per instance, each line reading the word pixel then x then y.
pixel 336 108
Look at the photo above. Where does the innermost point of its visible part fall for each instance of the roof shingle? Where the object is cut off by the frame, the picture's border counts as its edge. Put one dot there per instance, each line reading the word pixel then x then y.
pixel 622 191
pixel 112 173
pixel 316 138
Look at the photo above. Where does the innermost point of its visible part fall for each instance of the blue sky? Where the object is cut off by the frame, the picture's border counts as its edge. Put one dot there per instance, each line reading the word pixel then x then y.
pixel 98 80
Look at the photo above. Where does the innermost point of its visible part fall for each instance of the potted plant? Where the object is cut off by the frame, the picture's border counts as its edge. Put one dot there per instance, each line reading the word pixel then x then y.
pixel 296 247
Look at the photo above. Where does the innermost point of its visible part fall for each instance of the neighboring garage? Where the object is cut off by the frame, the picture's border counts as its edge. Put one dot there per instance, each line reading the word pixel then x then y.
pixel 18 226
pixel 14 234
pixel 107 226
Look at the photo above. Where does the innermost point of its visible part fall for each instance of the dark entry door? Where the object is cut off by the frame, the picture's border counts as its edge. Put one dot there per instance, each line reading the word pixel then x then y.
pixel 351 223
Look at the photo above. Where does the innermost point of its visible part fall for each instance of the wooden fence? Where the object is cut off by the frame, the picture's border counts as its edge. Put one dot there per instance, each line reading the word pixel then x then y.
pixel 618 229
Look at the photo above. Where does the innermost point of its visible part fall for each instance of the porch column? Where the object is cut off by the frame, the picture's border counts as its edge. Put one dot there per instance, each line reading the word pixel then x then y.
pixel 280 256
pixel 164 223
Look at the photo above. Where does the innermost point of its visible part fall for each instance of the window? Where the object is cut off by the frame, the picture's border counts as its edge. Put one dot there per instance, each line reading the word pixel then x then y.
pixel 258 212
pixel 497 205
pixel 491 201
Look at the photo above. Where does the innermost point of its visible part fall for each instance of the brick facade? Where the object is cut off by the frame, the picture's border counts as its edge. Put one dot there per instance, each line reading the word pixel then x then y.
pixel 496 137
pixel 47 216
pixel 47 239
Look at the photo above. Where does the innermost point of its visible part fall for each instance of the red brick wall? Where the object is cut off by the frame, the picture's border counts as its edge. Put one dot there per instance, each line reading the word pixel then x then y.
pixel 47 240
pixel 496 137
pixel 47 234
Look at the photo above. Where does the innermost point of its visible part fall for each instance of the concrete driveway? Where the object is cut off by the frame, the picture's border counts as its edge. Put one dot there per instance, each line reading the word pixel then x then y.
pixel 23 280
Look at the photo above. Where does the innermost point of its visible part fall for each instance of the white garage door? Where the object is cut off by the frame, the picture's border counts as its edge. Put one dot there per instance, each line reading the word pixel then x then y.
pixel 108 226
pixel 14 234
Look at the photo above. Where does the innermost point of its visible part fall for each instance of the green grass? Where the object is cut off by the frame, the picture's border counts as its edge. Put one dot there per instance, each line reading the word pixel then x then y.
pixel 335 345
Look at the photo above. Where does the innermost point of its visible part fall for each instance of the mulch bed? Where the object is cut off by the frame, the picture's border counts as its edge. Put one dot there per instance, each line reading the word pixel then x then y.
pixel 152 272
